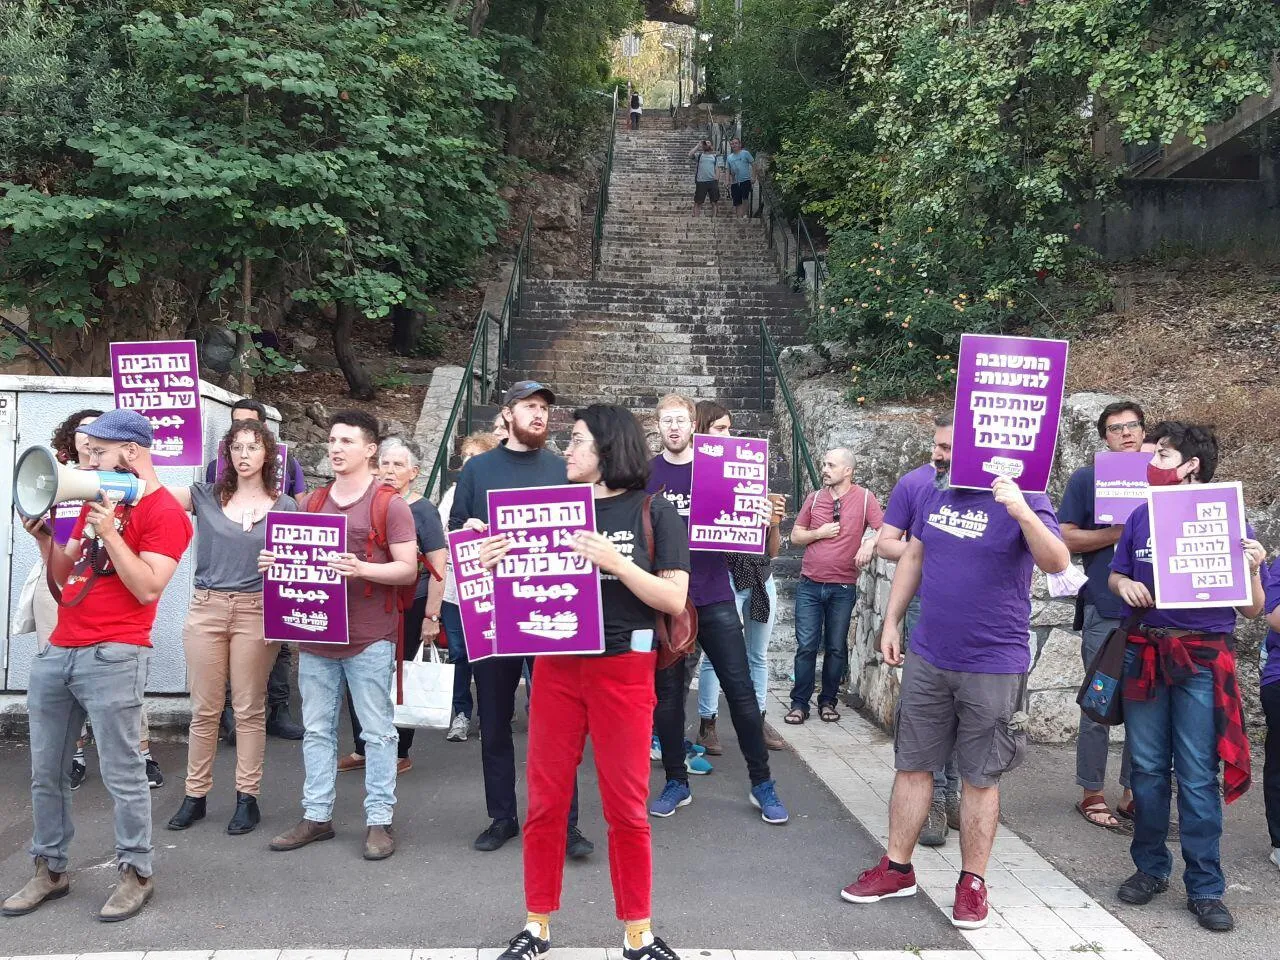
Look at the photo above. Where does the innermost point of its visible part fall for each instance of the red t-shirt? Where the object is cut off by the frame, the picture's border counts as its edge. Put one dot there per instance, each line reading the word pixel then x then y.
pixel 831 561
pixel 109 613
pixel 369 616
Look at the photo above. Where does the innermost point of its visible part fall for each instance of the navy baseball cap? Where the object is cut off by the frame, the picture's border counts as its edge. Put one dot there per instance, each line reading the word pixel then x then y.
pixel 126 426
pixel 525 389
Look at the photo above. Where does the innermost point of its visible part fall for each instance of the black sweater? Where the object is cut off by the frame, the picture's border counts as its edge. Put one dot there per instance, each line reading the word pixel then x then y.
pixel 501 469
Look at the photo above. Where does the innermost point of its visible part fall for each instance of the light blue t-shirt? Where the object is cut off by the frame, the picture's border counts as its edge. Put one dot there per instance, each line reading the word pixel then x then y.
pixel 740 165
pixel 707 164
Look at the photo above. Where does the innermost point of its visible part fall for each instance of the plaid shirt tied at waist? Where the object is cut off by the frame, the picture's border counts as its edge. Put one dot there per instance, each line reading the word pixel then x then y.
pixel 1179 655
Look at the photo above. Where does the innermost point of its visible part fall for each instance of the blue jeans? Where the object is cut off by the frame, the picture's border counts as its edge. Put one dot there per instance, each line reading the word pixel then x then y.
pixel 1176 727
pixel 757 636
pixel 823 612
pixel 451 617
pixel 368 676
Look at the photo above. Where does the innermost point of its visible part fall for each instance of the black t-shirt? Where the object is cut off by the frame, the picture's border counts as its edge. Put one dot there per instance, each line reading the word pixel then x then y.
pixel 430 532
pixel 619 519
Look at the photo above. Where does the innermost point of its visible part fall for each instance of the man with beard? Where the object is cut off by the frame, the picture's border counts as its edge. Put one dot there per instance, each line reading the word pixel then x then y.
pixel 895 533
pixel 520 460
pixel 1121 427
pixel 719 634
pixel 96 665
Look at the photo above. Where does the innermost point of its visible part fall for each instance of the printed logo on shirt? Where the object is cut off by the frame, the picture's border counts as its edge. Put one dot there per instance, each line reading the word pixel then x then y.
pixel 624 541
pixel 969 525
pixel 680 500
pixel 1143 554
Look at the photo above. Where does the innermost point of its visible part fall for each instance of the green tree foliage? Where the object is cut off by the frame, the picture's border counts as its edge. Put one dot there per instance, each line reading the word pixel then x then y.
pixel 955 167
pixel 341 149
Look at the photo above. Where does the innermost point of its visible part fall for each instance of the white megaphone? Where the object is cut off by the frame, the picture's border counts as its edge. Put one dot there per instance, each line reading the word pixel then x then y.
pixel 40 481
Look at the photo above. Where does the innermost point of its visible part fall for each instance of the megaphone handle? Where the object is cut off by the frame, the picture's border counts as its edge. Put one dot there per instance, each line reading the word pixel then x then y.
pixel 90 532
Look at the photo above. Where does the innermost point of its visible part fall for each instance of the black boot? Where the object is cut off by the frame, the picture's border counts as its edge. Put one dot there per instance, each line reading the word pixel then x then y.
pixel 192 809
pixel 281 724
pixel 246 817
pixel 227 726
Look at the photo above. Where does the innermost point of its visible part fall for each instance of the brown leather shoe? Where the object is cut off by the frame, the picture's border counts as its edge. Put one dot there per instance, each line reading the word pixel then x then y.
pixel 404 765
pixel 45 885
pixel 130 895
pixel 772 739
pixel 306 831
pixel 379 843
pixel 708 739
pixel 352 761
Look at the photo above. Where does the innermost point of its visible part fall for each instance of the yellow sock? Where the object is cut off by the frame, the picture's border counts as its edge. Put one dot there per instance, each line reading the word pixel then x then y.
pixel 638 931
pixel 543 922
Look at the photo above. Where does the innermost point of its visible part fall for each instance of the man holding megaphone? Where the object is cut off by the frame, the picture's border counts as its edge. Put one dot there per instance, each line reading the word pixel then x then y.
pixel 108 578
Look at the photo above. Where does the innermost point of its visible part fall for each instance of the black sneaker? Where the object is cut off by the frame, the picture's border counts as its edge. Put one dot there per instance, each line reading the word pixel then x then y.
pixel 1141 887
pixel 154 777
pixel 658 950
pixel 496 834
pixel 78 772
pixel 1212 915
pixel 524 945
pixel 578 847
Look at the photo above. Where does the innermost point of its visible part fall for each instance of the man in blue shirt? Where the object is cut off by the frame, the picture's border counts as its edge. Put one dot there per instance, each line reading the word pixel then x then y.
pixel 741 165
pixel 1122 428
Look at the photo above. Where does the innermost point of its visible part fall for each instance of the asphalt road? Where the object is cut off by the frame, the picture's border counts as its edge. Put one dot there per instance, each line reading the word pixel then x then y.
pixel 1036 802
pixel 723 878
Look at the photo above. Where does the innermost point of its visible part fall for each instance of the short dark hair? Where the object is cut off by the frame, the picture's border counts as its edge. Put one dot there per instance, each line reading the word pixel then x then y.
pixel 367 423
pixel 1157 432
pixel 248 403
pixel 64 435
pixel 1193 440
pixel 620 445
pixel 708 412
pixel 944 420
pixel 1120 406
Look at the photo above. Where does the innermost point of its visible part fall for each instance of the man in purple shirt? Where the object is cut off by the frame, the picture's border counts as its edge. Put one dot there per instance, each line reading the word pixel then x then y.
pixel 971 556
pixel 719 635
pixel 1270 694
pixel 891 544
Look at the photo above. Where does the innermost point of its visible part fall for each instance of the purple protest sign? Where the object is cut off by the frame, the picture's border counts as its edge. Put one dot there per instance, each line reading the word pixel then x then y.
pixel 1196 555
pixel 729 485
pixel 161 380
pixel 475 593
pixel 1119 485
pixel 282 460
pixel 1008 398
pixel 546 598
pixel 65 515
pixel 302 599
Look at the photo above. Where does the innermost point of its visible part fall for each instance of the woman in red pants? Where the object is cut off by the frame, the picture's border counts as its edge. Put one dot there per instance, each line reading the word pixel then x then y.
pixel 608 696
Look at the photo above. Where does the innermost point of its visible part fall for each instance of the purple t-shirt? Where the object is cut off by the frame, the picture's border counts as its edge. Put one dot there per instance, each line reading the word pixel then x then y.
pixel 1133 559
pixel 907 493
pixel 708 571
pixel 1271 583
pixel 975 585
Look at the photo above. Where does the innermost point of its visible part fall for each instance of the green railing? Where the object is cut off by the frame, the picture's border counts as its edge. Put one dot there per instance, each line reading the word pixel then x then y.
pixel 461 413
pixel 803 240
pixel 802 465
pixel 602 199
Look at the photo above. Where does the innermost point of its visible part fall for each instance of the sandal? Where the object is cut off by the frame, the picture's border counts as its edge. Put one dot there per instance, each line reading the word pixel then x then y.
pixel 1125 813
pixel 1095 810
pixel 828 714
pixel 795 717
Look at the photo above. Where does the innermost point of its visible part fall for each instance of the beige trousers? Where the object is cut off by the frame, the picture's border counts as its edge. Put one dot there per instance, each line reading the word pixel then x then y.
pixel 223 637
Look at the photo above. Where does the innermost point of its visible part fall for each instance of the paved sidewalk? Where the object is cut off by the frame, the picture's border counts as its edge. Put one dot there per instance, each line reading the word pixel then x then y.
pixel 1036 911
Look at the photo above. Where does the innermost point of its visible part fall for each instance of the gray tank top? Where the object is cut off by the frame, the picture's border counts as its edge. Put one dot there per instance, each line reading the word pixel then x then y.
pixel 227 555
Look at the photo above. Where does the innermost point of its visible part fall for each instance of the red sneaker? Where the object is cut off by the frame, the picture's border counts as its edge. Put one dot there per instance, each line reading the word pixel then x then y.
pixel 970 910
pixel 879 883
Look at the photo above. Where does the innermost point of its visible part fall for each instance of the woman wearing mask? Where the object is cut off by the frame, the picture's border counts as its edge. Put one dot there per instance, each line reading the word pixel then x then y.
pixel 450 615
pixel 757 597
pixel 609 696
pixel 398 467
pixel 223 636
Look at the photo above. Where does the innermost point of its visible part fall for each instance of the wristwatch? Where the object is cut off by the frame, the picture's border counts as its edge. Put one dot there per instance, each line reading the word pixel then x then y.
pixel 435 619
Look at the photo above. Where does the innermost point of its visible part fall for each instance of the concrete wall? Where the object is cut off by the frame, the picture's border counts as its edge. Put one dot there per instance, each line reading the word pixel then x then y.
pixel 30 409
pixel 1202 215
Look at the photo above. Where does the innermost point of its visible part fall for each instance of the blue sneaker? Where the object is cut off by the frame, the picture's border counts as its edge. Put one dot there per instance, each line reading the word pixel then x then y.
pixel 675 794
pixel 697 748
pixel 764 797
pixel 695 763
pixel 655 749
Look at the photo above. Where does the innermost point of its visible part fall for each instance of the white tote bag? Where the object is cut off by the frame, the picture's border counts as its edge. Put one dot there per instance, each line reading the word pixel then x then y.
pixel 24 614
pixel 428 691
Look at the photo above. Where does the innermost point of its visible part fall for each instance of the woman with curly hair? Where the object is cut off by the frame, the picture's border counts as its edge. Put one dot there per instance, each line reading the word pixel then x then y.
pixel 224 633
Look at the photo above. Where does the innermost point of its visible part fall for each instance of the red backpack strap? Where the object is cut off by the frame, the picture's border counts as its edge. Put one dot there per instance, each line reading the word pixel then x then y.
pixel 317 498
pixel 647 520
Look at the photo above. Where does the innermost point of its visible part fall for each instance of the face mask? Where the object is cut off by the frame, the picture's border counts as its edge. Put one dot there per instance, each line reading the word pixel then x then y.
pixel 1162 476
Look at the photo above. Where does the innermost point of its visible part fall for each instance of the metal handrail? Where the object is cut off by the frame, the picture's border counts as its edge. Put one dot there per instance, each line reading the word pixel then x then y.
pixel 602 198
pixel 800 455
pixel 804 239
pixel 511 302
pixel 462 402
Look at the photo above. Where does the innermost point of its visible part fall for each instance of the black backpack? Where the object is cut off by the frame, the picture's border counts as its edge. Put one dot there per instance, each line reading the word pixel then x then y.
pixel 635 101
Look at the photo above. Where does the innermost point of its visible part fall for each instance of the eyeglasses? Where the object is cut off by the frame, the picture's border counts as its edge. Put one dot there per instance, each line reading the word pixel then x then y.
pixel 1115 429
pixel 246 448
pixel 674 422
pixel 577 442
